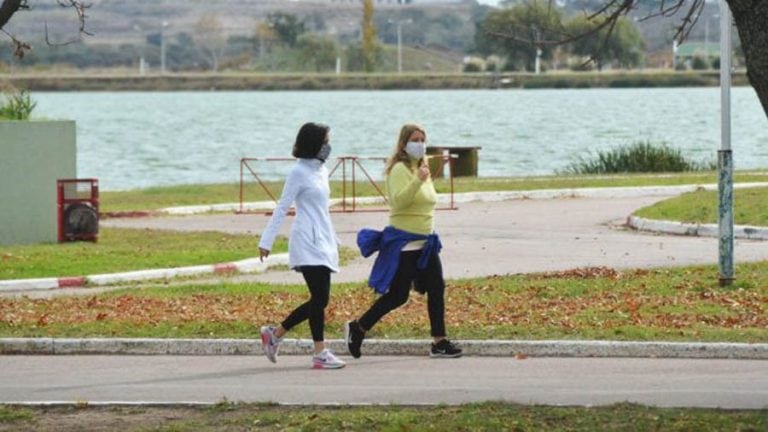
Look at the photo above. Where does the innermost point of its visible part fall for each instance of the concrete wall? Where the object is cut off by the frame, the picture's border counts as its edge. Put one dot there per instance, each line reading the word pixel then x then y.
pixel 33 155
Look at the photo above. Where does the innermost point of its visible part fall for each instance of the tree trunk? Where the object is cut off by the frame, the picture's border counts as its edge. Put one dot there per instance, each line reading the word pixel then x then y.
pixel 7 9
pixel 751 17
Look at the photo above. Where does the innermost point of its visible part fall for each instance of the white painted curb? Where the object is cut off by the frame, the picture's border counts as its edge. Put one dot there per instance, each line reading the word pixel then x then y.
pixel 374 347
pixel 702 230
pixel 249 265
pixel 465 197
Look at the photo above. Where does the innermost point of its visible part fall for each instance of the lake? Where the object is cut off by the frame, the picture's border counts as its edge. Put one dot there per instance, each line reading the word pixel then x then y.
pixel 140 139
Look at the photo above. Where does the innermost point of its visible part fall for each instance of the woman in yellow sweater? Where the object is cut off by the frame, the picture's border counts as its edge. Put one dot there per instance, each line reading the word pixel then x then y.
pixel 408 249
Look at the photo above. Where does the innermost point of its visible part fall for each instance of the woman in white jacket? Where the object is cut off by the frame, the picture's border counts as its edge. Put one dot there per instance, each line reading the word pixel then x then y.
pixel 312 245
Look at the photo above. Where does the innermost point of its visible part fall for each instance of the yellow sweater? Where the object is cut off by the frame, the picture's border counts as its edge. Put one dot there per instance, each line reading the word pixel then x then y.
pixel 411 201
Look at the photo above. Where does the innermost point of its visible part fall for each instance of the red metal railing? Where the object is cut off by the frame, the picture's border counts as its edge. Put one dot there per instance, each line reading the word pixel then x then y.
pixel 351 163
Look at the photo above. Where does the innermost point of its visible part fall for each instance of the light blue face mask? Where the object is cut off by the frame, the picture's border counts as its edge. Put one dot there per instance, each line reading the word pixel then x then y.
pixel 324 152
pixel 416 150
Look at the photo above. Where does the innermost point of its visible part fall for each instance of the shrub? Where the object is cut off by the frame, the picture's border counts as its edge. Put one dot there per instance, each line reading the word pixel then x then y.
pixel 18 105
pixel 474 65
pixel 700 63
pixel 638 157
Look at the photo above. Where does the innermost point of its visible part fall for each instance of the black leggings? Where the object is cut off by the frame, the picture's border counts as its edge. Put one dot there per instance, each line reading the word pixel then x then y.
pixel 318 280
pixel 429 280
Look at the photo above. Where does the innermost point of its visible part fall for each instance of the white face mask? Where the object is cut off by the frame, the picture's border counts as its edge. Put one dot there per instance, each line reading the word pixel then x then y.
pixel 416 150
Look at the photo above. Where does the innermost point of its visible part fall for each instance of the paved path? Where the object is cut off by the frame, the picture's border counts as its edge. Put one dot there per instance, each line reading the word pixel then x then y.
pixel 515 236
pixel 384 380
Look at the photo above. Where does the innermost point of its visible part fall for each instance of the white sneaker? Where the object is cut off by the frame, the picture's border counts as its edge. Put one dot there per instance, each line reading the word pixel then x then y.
pixel 326 360
pixel 270 343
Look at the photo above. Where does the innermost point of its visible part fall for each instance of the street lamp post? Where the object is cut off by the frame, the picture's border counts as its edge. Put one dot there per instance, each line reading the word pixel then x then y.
pixel 162 46
pixel 400 43
pixel 142 61
pixel 537 59
pixel 725 156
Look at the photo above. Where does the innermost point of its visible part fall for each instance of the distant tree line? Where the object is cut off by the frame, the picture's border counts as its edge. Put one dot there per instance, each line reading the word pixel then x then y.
pixel 522 32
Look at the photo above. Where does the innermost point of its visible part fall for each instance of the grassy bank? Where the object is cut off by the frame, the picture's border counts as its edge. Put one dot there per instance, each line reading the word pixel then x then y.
pixel 121 250
pixel 490 416
pixel 675 304
pixel 161 197
pixel 750 207
pixel 360 81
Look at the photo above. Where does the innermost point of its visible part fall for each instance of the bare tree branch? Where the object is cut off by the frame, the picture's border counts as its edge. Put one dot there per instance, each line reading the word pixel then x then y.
pixel 79 8
pixel 19 47
pixel 9 7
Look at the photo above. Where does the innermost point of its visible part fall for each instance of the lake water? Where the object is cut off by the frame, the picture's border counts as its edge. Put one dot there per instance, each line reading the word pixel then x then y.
pixel 140 139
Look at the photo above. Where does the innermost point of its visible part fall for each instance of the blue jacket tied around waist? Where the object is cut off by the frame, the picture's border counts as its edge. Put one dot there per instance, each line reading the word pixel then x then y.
pixel 389 243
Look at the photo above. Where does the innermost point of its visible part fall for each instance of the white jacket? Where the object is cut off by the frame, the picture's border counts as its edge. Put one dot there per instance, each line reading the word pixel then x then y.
pixel 312 239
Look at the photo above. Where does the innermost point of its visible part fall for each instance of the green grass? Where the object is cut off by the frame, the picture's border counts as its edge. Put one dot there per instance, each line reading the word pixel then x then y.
pixel 671 304
pixel 488 416
pixel 11 415
pixel 750 207
pixel 127 249
pixel 161 197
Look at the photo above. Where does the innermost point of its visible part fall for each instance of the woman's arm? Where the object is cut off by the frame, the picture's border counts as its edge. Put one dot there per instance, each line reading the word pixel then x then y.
pixel 290 190
pixel 402 186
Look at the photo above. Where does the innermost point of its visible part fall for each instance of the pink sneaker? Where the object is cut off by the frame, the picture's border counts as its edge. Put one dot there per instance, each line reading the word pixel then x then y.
pixel 326 360
pixel 270 343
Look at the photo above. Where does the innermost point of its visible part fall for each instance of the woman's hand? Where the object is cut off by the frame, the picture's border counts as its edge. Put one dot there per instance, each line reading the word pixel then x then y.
pixel 423 172
pixel 263 253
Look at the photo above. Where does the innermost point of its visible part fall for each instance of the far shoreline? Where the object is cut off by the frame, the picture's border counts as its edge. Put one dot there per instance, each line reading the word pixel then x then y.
pixel 241 81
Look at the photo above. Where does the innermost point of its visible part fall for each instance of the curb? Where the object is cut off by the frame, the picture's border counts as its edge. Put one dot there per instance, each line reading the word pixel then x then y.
pixel 703 230
pixel 249 265
pixel 379 347
pixel 465 197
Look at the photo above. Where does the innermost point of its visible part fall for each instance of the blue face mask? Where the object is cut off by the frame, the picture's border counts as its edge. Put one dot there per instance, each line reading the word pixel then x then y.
pixel 324 152
pixel 416 150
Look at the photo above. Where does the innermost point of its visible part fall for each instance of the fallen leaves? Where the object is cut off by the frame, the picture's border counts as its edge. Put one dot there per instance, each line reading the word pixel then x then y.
pixel 532 303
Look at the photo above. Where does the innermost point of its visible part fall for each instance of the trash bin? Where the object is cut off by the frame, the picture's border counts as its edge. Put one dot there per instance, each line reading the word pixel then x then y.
pixel 77 209
pixel 464 163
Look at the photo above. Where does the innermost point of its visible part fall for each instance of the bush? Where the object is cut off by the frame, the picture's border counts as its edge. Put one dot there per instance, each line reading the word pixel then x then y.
pixel 639 157
pixel 18 105
pixel 700 63
pixel 474 65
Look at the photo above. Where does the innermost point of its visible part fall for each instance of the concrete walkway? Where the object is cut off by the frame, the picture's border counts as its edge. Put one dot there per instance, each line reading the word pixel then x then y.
pixel 732 384
pixel 484 238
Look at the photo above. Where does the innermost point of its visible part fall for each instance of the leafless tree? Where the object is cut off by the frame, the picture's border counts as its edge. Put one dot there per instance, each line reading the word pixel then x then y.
pixel 9 7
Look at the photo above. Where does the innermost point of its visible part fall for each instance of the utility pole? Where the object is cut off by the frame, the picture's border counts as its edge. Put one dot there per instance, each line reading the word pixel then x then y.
pixel 400 42
pixel 162 46
pixel 725 156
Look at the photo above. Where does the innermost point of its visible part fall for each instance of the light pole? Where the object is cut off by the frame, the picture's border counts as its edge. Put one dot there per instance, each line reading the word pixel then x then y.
pixel 400 43
pixel 142 62
pixel 725 156
pixel 537 59
pixel 162 46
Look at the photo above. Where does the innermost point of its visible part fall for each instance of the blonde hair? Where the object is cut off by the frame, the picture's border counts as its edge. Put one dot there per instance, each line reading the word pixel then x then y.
pixel 399 154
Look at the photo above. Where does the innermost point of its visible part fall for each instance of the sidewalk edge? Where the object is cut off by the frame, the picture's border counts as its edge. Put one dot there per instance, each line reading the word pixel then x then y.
pixel 249 265
pixel 378 347
pixel 702 230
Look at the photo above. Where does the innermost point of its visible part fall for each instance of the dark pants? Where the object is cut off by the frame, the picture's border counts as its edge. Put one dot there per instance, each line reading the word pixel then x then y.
pixel 318 280
pixel 429 280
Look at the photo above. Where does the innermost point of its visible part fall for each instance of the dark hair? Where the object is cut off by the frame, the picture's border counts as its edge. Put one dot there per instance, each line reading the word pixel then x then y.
pixel 310 138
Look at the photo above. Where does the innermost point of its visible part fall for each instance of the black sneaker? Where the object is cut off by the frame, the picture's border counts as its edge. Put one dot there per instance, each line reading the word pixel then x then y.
pixel 354 336
pixel 444 349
